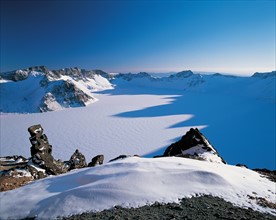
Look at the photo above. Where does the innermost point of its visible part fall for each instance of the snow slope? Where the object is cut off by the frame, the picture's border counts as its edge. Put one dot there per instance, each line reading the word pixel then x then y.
pixel 135 182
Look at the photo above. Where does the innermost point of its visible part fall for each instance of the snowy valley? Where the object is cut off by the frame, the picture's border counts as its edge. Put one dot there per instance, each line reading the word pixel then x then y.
pixel 140 114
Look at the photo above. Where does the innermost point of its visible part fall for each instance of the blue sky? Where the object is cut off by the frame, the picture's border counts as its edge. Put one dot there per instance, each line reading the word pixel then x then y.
pixel 132 36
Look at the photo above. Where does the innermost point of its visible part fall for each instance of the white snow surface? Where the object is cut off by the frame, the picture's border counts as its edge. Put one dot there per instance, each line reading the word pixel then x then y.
pixel 135 182
pixel 143 116
pixel 202 153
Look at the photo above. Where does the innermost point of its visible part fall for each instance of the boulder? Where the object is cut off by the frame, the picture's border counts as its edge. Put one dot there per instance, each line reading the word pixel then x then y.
pixel 97 160
pixel 77 160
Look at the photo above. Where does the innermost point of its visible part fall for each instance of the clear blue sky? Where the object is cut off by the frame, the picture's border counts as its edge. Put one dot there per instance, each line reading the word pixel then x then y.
pixel 155 36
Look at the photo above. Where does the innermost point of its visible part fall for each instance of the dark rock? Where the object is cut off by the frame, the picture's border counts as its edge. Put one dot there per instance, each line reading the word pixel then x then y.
pixel 270 174
pixel 119 157
pixel 41 152
pixel 77 160
pixel 97 160
pixel 241 165
pixel 194 145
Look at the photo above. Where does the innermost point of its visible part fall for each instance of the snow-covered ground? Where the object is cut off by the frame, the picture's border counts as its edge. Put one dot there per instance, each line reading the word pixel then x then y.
pixel 135 182
pixel 144 116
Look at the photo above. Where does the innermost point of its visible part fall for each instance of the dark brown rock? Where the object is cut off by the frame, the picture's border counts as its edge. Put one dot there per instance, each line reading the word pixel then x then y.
pixel 41 152
pixel 192 145
pixel 77 160
pixel 97 160
pixel 119 157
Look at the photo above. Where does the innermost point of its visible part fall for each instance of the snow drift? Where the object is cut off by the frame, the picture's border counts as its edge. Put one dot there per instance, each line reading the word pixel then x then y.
pixel 135 182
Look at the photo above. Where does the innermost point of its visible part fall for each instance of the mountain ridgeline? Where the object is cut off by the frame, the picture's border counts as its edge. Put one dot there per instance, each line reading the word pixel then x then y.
pixel 38 89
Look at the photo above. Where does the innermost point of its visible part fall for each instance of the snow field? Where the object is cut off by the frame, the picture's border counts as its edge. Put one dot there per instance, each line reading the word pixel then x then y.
pixel 135 182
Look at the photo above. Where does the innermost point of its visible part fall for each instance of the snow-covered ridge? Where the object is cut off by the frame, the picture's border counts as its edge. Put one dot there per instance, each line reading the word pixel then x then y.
pixel 38 89
pixel 135 182
pixel 265 75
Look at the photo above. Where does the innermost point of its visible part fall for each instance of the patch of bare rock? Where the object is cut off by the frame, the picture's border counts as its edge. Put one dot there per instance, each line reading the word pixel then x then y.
pixel 16 171
pixel 204 208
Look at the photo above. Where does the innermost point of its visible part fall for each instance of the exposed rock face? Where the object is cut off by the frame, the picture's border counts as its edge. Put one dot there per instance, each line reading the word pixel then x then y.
pixel 64 94
pixel 16 171
pixel 77 160
pixel 97 160
pixel 41 152
pixel 194 145
pixel 270 174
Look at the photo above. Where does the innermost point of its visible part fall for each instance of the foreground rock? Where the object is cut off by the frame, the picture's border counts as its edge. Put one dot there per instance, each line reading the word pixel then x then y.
pixel 77 160
pixel 16 171
pixel 41 152
pixel 194 145
pixel 204 207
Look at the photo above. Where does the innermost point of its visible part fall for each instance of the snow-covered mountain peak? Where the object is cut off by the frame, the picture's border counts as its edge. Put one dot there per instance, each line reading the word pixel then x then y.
pixel 131 76
pixel 182 74
pixel 265 75
pixel 50 90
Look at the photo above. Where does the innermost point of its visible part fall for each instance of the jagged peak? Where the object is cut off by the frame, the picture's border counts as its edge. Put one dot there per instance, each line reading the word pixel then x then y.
pixel 76 72
pixel 130 76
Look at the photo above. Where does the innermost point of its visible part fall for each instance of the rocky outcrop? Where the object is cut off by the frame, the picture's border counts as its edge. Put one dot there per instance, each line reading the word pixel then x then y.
pixel 120 157
pixel 77 160
pixel 16 171
pixel 64 94
pixel 97 160
pixel 194 145
pixel 41 152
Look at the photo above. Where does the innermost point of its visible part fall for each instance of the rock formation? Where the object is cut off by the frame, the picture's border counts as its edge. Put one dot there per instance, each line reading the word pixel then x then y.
pixel 77 160
pixel 97 160
pixel 41 152
pixel 16 171
pixel 194 145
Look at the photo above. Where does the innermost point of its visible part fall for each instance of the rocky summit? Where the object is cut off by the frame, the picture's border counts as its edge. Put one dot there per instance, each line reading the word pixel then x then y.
pixel 194 145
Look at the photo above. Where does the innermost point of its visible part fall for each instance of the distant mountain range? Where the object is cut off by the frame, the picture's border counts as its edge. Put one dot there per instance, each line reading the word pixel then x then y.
pixel 38 89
